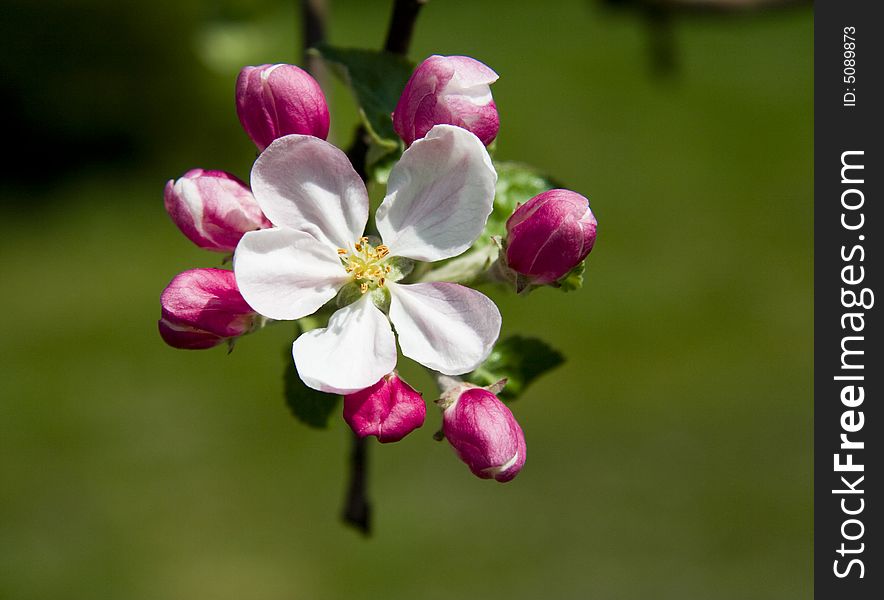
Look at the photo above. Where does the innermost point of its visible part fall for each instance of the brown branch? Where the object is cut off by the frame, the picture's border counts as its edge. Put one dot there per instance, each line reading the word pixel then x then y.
pixel 399 34
pixel 313 17
pixel 401 27
pixel 357 507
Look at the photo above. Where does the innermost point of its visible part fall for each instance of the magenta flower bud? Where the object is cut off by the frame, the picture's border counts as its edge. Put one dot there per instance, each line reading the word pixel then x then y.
pixel 485 435
pixel 213 209
pixel 202 308
pixel 390 410
pixel 448 90
pixel 549 235
pixel 277 100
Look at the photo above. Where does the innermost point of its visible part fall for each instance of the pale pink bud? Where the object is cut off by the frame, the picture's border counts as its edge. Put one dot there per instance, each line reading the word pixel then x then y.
pixel 390 410
pixel 213 209
pixel 485 435
pixel 549 235
pixel 448 90
pixel 277 100
pixel 202 308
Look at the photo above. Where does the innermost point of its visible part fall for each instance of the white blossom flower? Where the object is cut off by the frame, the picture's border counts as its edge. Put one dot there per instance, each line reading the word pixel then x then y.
pixel 439 196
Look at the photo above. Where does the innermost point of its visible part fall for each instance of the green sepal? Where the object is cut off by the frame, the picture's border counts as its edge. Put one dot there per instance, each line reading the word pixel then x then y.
pixel 516 184
pixel 520 360
pixel 381 298
pixel 348 294
pixel 400 267
pixel 573 280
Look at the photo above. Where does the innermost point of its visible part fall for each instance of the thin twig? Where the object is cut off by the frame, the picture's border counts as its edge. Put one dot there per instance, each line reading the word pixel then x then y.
pixel 401 27
pixel 399 33
pixel 357 507
pixel 313 17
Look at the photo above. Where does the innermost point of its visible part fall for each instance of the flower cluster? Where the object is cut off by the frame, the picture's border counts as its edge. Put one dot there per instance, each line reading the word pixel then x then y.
pixel 303 245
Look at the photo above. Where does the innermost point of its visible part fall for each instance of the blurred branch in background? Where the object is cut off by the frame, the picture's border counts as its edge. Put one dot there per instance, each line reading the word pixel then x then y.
pixel 313 16
pixel 660 16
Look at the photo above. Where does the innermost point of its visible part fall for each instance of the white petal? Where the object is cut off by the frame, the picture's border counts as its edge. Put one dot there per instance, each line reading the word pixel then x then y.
pixel 439 196
pixel 352 353
pixel 302 182
pixel 286 274
pixel 444 326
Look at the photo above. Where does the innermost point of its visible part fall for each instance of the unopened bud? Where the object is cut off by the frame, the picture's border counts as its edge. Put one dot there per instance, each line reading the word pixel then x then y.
pixel 448 90
pixel 202 308
pixel 390 409
pixel 213 209
pixel 277 100
pixel 485 435
pixel 549 235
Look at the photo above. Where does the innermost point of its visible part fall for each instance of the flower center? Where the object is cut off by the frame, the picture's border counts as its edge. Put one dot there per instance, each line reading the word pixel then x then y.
pixel 367 264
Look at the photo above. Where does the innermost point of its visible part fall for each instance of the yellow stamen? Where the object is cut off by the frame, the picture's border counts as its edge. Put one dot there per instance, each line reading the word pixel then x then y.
pixel 365 264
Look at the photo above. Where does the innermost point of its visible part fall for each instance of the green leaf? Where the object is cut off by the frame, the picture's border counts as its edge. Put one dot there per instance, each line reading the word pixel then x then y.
pixel 573 280
pixel 380 160
pixel 516 184
pixel 307 405
pixel 376 79
pixel 520 360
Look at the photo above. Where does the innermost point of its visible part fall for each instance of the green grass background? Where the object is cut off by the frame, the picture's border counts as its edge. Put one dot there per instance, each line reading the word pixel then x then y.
pixel 670 457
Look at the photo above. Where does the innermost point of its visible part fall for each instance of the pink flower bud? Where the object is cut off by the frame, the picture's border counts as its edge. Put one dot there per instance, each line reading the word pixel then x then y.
pixel 277 100
pixel 549 235
pixel 202 308
pixel 448 90
pixel 485 435
pixel 390 410
pixel 213 209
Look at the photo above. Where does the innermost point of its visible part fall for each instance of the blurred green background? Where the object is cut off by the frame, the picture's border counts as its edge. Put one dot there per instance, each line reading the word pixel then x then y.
pixel 670 457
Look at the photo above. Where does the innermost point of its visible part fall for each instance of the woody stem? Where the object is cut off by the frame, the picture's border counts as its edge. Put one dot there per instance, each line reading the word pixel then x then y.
pixel 357 507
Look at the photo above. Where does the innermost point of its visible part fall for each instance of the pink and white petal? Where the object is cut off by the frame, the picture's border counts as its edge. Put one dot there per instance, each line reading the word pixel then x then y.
pixel 439 196
pixel 352 353
pixel 469 72
pixel 444 326
pixel 470 82
pixel 301 182
pixel 286 274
